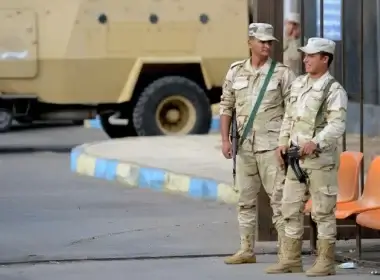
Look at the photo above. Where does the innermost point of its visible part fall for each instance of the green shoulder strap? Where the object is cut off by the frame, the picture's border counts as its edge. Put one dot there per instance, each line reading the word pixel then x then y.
pixel 328 86
pixel 260 97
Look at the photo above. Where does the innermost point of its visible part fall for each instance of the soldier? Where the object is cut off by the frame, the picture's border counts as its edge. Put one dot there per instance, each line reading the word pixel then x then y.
pixel 245 86
pixel 315 119
pixel 292 42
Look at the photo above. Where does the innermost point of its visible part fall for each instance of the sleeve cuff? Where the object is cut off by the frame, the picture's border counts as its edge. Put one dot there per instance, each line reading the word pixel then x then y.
pixel 225 113
pixel 283 141
pixel 320 144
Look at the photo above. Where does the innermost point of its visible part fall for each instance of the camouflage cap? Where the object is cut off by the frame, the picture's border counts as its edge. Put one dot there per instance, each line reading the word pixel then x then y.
pixel 317 45
pixel 261 31
pixel 294 17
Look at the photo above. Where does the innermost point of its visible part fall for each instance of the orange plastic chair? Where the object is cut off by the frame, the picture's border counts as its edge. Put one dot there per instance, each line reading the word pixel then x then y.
pixel 369 219
pixel 370 199
pixel 348 178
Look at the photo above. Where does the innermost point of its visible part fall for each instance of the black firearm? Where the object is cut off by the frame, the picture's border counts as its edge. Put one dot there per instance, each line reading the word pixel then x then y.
pixel 292 158
pixel 234 141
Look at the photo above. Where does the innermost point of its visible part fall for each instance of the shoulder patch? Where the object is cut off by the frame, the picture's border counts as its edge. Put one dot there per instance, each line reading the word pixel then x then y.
pixel 236 63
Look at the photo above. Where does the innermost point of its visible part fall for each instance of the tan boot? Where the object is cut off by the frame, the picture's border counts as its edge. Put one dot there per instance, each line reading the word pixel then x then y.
pixel 289 260
pixel 280 236
pixel 324 265
pixel 245 254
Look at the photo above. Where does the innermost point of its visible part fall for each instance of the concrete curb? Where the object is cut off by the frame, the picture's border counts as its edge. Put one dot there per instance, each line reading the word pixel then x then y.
pixel 145 177
pixel 95 123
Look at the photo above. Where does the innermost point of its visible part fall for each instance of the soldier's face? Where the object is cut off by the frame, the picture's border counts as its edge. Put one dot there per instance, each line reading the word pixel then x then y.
pixel 315 63
pixel 260 48
pixel 292 29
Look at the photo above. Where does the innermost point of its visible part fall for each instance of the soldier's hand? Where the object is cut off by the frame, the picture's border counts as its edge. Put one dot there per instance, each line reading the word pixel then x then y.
pixel 227 149
pixel 280 151
pixel 308 149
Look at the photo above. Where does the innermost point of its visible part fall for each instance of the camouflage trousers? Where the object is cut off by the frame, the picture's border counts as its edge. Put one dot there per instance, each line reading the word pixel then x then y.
pixel 322 189
pixel 252 171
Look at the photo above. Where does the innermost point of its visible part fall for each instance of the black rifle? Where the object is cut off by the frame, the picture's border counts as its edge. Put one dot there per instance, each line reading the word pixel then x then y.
pixel 292 158
pixel 234 141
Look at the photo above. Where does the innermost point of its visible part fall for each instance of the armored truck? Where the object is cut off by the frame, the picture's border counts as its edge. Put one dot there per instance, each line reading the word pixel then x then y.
pixel 148 67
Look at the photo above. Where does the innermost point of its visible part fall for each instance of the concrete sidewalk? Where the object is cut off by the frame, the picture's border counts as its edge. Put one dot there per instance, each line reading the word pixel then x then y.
pixel 192 165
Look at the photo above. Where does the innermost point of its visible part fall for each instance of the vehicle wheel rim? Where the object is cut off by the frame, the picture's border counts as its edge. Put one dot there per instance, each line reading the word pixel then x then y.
pixel 175 115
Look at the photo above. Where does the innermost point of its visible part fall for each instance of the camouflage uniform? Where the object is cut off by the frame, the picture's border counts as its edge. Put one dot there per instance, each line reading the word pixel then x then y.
pixel 316 111
pixel 256 161
pixel 292 56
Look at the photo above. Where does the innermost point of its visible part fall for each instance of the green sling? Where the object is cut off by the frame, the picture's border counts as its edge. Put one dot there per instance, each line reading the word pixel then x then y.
pixel 260 97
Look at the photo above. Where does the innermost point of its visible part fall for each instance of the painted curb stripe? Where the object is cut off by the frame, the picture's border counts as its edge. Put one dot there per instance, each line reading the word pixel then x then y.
pixel 150 178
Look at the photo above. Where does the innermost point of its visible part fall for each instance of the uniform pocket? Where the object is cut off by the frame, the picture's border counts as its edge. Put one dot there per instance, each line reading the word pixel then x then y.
pixel 324 182
pixel 240 85
pixel 240 88
pixel 314 100
pixel 273 85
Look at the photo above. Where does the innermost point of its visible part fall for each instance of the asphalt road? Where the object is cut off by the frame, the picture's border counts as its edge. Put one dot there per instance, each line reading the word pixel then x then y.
pixel 53 221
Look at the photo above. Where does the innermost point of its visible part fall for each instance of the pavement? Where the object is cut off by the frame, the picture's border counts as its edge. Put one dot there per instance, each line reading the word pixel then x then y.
pixel 164 269
pixel 56 224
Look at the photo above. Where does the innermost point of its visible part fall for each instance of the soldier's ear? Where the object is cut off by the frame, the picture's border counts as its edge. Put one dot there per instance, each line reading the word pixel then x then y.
pixel 325 59
pixel 250 41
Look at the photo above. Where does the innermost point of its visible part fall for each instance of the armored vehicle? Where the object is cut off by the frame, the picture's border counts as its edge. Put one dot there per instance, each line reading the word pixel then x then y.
pixel 148 67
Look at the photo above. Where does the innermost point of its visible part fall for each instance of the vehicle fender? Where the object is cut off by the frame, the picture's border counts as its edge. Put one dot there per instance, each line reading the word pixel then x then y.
pixel 131 80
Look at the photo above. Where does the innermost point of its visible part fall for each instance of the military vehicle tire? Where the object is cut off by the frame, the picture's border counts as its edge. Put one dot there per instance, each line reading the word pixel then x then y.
pixel 172 105
pixel 6 119
pixel 116 131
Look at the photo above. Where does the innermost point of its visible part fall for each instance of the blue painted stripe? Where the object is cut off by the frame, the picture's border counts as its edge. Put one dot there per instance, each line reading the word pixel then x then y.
pixel 203 188
pixel 105 169
pixel 215 124
pixel 151 178
pixel 95 123
pixel 74 155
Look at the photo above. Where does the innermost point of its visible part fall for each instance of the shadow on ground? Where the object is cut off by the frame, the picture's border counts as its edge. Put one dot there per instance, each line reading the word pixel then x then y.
pixel 40 126
pixel 64 149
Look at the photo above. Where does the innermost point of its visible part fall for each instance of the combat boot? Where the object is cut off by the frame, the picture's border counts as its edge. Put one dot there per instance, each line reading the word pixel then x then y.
pixel 289 259
pixel 324 265
pixel 280 236
pixel 245 254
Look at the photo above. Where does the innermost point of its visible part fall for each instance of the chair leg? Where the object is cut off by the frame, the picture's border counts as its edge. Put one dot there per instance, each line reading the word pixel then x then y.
pixel 358 241
pixel 313 236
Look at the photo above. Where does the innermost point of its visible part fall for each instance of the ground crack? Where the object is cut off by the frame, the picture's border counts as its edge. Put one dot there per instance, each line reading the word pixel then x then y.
pixel 92 238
